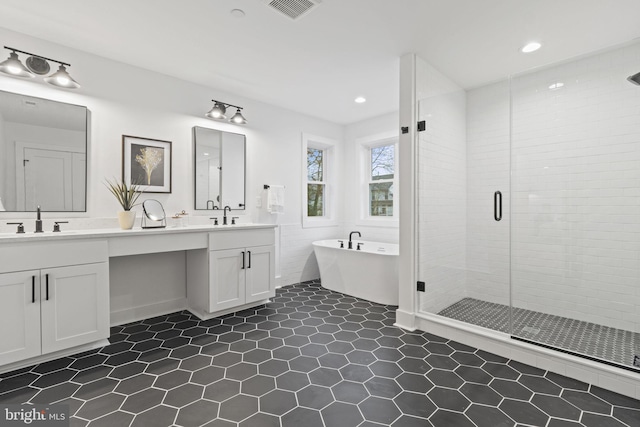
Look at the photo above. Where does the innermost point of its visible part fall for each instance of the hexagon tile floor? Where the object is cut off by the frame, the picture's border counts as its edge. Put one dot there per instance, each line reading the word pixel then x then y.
pixel 309 358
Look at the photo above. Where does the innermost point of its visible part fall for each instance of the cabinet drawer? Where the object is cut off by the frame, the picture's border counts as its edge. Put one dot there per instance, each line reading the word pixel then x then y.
pixel 37 255
pixel 229 239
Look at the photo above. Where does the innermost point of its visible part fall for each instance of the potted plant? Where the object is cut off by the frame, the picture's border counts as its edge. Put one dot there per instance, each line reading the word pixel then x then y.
pixel 127 195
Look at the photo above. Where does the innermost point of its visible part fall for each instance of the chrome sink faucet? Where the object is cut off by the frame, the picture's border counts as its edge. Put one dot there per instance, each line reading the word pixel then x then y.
pixel 224 217
pixel 38 222
pixel 351 234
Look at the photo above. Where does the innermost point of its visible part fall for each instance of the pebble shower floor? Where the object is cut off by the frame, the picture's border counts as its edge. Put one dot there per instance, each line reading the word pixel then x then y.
pixel 309 358
pixel 590 339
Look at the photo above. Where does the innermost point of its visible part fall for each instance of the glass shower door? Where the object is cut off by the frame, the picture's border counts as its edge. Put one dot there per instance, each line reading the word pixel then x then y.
pixel 576 207
pixel 529 204
pixel 463 194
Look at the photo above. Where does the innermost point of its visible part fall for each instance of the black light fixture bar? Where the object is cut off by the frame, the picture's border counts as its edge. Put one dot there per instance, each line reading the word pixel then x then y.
pixel 225 104
pixel 38 56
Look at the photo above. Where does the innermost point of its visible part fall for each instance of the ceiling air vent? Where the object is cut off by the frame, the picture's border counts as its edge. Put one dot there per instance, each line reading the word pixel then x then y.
pixel 294 9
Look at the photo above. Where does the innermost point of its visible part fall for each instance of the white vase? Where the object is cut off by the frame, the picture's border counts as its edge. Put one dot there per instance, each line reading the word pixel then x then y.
pixel 126 219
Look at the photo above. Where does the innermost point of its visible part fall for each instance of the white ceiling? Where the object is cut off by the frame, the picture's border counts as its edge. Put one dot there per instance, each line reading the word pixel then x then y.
pixel 343 48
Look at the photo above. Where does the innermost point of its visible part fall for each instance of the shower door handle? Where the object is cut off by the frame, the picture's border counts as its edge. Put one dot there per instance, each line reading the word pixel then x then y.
pixel 497 206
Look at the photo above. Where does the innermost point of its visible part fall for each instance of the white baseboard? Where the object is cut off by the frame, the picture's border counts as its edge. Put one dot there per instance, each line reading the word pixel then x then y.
pixel 52 356
pixel 405 320
pixel 202 315
pixel 135 314
pixel 608 377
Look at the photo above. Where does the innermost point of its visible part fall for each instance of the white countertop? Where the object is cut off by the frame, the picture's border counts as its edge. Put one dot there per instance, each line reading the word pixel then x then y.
pixel 116 232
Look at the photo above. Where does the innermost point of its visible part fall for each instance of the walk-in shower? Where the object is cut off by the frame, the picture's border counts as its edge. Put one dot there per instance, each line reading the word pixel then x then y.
pixel 561 148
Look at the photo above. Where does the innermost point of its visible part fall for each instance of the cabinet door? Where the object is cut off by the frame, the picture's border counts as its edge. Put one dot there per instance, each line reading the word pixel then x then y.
pixel 260 273
pixel 74 305
pixel 19 316
pixel 226 289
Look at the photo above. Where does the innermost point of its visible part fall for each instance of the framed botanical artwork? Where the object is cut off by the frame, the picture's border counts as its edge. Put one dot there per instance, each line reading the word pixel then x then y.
pixel 147 163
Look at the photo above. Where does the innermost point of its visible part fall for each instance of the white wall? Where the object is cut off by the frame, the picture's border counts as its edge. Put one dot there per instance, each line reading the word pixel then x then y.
pixel 3 155
pixel 126 100
pixel 351 188
pixel 298 260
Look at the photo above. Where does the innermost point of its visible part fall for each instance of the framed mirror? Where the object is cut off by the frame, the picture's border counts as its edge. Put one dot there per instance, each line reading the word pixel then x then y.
pixel 219 165
pixel 43 154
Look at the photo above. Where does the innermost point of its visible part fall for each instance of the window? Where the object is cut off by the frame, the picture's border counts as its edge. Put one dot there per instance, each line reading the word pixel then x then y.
pixel 378 176
pixel 319 176
pixel 315 181
pixel 382 166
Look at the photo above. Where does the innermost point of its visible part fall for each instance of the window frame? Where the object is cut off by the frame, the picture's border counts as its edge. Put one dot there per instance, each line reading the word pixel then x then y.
pixel 364 146
pixel 329 172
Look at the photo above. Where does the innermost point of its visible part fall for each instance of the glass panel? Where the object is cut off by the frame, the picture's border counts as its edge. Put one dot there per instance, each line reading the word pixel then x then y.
pixel 382 162
pixel 463 159
pixel 560 266
pixel 381 199
pixel 315 199
pixel 576 215
pixel 315 164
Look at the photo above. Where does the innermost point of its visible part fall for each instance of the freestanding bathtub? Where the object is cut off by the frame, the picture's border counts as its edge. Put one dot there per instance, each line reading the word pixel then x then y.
pixel 370 273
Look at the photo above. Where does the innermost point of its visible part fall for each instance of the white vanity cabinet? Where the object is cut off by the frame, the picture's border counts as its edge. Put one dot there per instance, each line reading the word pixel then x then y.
pixel 19 316
pixel 240 272
pixel 52 297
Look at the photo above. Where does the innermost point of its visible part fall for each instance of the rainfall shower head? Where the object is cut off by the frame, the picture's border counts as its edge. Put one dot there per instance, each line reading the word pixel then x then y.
pixel 635 79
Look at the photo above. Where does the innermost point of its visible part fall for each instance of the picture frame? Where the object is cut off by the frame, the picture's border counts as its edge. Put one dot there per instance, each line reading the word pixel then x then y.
pixel 147 163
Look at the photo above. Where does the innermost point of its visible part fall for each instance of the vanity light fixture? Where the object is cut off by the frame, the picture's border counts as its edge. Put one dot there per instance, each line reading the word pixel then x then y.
pixel 61 78
pixel 238 118
pixel 219 110
pixel 14 67
pixel 37 64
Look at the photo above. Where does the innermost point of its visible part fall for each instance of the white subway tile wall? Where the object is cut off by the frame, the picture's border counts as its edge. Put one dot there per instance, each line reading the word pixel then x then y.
pixel 298 261
pixel 576 182
pixel 488 172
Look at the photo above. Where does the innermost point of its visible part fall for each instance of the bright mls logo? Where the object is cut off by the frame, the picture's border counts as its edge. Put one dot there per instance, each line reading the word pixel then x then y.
pixel 34 415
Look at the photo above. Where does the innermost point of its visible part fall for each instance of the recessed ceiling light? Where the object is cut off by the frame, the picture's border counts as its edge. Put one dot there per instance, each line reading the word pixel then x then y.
pixel 206 154
pixel 556 85
pixel 360 100
pixel 237 13
pixel 530 47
